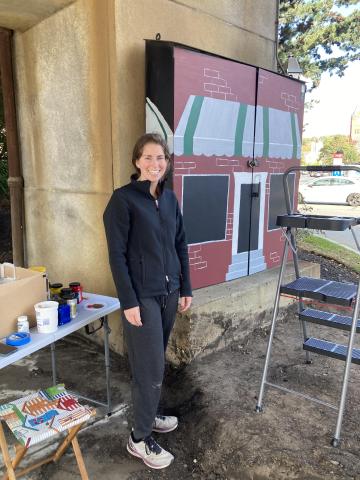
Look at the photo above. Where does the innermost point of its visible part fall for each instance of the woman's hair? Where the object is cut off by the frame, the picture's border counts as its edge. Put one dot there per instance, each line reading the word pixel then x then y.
pixel 150 138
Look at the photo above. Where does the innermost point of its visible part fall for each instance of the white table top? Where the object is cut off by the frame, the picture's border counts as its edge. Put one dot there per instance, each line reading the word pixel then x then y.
pixel 85 316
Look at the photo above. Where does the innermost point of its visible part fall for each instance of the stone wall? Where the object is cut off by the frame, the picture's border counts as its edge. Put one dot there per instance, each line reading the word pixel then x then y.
pixel 80 77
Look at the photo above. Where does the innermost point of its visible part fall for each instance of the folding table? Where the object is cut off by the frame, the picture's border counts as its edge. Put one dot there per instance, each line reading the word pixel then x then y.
pixel 87 313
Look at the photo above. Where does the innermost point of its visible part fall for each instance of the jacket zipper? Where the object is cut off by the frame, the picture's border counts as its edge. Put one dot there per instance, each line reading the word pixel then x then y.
pixel 162 244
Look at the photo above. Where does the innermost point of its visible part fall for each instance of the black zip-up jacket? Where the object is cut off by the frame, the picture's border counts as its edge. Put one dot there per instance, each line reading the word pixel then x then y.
pixel 147 245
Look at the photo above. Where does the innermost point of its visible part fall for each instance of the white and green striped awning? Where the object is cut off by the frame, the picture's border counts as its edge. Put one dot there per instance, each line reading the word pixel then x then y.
pixel 210 126
pixel 277 134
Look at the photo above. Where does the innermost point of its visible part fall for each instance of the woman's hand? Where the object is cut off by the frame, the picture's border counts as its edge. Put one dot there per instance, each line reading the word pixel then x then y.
pixel 132 315
pixel 185 303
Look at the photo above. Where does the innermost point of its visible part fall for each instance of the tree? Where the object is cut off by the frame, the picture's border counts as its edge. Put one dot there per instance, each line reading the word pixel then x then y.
pixel 319 36
pixel 305 150
pixel 335 143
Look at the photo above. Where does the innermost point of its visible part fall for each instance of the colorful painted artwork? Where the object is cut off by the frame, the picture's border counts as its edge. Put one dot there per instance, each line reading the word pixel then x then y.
pixel 43 414
pixel 233 130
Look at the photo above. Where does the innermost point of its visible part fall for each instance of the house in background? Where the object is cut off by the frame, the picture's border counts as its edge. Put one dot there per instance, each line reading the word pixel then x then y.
pixel 355 127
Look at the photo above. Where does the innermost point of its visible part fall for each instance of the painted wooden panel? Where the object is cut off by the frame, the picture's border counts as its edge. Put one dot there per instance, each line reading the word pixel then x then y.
pixel 217 116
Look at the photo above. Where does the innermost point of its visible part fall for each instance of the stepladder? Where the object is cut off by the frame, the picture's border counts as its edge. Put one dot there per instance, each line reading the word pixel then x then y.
pixel 321 291
pixel 37 417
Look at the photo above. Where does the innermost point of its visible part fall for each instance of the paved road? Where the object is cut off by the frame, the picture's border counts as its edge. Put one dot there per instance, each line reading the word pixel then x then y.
pixel 343 238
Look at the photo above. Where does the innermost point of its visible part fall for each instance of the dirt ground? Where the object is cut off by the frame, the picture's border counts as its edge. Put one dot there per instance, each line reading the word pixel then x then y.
pixel 220 436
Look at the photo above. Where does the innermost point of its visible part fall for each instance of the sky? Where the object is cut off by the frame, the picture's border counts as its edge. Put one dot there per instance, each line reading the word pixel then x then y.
pixel 338 97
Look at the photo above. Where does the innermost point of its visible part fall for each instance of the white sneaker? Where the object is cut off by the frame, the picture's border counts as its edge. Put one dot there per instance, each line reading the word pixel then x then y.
pixel 165 424
pixel 150 453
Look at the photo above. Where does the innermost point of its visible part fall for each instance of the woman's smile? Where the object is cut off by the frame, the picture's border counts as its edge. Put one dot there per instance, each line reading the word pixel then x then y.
pixel 152 163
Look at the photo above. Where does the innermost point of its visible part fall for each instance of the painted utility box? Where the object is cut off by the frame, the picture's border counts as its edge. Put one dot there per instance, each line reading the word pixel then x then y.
pixel 233 130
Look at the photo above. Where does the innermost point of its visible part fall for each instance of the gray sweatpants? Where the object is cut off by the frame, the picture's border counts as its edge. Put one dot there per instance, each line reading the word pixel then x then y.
pixel 146 350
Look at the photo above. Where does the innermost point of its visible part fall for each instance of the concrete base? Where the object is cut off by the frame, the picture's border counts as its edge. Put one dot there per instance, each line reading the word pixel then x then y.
pixel 229 312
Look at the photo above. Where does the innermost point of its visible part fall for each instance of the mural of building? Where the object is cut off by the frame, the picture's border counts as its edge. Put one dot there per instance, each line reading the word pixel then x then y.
pixel 236 129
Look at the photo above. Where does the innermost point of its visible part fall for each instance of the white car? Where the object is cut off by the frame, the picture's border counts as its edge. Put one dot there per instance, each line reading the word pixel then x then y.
pixel 331 190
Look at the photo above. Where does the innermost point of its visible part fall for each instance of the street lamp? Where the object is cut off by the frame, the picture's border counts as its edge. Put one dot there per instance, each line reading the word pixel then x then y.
pixel 293 68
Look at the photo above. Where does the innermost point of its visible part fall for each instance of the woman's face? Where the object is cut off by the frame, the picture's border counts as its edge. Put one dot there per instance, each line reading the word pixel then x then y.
pixel 152 163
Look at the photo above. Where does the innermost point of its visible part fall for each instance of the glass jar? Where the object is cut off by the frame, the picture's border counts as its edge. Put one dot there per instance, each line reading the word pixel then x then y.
pixel 55 289
pixel 70 299
pixel 65 291
pixel 77 288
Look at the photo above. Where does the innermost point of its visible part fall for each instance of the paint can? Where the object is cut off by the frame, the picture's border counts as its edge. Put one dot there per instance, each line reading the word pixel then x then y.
pixel 47 316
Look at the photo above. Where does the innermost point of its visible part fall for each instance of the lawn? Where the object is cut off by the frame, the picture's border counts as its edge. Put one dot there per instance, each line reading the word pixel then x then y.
pixel 322 246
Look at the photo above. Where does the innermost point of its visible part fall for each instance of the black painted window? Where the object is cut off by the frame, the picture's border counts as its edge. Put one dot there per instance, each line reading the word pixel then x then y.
pixel 205 200
pixel 277 204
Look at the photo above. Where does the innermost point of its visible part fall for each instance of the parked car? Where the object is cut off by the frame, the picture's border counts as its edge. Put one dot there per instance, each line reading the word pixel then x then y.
pixel 331 190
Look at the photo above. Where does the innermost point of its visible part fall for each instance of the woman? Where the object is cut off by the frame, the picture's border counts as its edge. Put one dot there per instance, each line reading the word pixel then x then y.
pixel 149 262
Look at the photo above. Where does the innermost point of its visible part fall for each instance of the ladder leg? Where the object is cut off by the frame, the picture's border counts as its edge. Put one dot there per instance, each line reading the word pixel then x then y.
pixel 336 440
pixel 355 239
pixel 304 331
pixel 300 305
pixel 272 331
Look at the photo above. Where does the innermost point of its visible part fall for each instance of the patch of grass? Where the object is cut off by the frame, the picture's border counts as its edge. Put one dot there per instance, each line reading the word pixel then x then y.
pixel 322 246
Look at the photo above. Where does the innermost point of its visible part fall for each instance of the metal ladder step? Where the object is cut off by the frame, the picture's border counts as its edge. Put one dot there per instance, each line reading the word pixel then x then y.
pixel 320 289
pixel 328 319
pixel 330 349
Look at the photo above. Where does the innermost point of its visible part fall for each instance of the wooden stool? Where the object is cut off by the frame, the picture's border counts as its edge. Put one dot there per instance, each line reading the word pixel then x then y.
pixel 37 417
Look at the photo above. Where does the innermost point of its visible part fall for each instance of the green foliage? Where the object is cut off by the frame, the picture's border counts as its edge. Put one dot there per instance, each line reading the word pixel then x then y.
pixel 334 143
pixel 311 30
pixel 306 145
pixel 325 248
pixel 305 149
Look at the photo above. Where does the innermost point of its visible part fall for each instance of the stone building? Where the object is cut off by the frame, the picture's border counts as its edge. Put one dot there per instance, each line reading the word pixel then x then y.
pixel 79 79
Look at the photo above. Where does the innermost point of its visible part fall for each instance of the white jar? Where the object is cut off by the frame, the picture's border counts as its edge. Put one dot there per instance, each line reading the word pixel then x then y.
pixel 23 324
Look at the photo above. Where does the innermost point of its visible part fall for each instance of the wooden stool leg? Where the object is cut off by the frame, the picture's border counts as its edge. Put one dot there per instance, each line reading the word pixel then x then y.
pixel 65 444
pixel 79 459
pixel 71 438
pixel 20 452
pixel 6 455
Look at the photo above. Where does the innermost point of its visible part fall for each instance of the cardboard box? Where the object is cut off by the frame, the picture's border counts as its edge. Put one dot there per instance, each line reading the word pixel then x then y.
pixel 18 297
